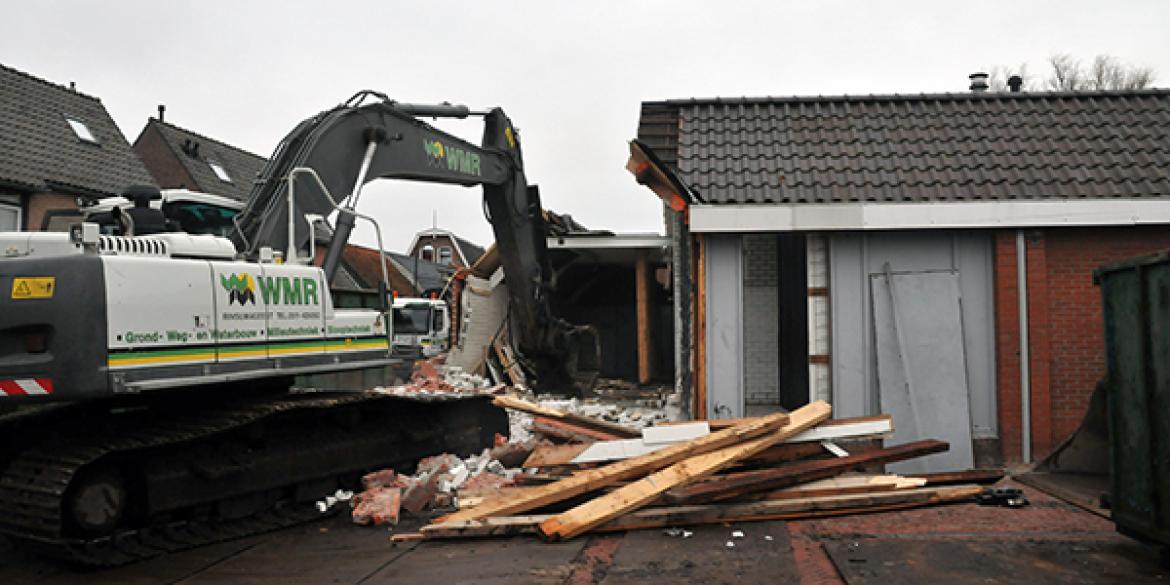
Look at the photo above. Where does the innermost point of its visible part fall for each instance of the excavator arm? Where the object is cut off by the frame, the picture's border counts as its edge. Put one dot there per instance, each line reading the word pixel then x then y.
pixel 355 143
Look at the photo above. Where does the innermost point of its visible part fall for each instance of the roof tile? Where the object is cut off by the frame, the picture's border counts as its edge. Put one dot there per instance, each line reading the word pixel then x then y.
pixel 916 148
pixel 39 151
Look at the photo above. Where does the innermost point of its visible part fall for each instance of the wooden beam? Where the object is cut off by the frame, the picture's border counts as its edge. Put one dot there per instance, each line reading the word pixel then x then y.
pixel 735 485
pixel 849 428
pixel 839 486
pixel 983 476
pixel 699 408
pixel 811 507
pixel 594 479
pixel 639 493
pixel 570 431
pixel 514 403
pixel 546 455
pixel 642 305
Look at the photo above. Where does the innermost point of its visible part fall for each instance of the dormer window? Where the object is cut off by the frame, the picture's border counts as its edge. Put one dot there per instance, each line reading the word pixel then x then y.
pixel 219 171
pixel 82 131
pixel 445 256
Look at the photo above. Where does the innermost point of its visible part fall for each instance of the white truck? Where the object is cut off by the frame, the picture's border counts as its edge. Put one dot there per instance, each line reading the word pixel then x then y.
pixel 421 327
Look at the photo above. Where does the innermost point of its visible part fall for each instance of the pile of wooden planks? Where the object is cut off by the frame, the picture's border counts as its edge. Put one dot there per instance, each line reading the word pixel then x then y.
pixel 780 466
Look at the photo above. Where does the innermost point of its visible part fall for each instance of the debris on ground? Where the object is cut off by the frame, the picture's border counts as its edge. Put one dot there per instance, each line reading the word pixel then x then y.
pixel 433 376
pixel 667 476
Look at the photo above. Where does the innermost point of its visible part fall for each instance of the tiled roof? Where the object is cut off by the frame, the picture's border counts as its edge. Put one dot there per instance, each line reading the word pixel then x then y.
pixel 471 251
pixel 365 265
pixel 944 147
pixel 195 151
pixel 39 151
pixel 426 274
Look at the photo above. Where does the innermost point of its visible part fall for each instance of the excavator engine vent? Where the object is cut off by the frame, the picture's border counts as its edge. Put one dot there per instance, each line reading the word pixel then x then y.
pixel 132 246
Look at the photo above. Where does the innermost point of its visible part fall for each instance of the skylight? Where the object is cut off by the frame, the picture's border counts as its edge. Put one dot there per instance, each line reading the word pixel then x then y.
pixel 81 130
pixel 219 171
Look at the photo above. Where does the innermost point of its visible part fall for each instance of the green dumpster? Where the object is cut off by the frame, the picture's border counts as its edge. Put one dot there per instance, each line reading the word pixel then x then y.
pixel 1136 295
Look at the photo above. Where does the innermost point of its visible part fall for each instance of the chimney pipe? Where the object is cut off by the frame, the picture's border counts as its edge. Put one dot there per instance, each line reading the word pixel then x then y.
pixel 162 110
pixel 72 86
pixel 978 82
pixel 1015 83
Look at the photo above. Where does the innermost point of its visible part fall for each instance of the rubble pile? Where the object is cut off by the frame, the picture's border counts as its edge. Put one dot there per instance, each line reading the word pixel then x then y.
pixel 436 482
pixel 605 476
pixel 434 377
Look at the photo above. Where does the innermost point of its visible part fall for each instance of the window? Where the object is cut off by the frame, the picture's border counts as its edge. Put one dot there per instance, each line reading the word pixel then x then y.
pixel 427 253
pixel 81 130
pixel 9 218
pixel 219 171
pixel 445 256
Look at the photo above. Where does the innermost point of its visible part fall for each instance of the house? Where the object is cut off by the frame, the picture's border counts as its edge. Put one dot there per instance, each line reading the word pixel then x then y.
pixel 57 146
pixel 444 247
pixel 929 256
pixel 178 158
pixel 366 265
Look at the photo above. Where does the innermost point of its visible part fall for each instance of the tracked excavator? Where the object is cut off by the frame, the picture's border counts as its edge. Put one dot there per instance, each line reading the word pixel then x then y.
pixel 144 374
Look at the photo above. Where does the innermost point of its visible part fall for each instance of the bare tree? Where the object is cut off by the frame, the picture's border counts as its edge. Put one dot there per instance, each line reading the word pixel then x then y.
pixel 1104 72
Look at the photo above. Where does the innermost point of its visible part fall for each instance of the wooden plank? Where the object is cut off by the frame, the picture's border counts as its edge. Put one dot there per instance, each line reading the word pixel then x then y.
pixel 570 431
pixel 722 423
pixel 639 493
pixel 839 486
pixel 594 479
pixel 642 310
pixel 546 455
pixel 734 485
pixel 618 431
pixel 867 427
pixel 699 367
pixel 788 509
pixel 983 476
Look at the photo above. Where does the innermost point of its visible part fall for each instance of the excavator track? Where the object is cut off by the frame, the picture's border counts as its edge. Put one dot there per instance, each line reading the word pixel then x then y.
pixel 178 478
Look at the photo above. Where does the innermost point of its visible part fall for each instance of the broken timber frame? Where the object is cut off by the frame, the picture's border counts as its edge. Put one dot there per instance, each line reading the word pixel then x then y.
pixel 595 479
pixel 639 493
pixel 734 485
pixel 789 509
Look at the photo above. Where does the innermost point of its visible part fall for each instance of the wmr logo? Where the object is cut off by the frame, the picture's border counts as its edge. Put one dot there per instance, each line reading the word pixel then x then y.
pixel 240 287
pixel 456 159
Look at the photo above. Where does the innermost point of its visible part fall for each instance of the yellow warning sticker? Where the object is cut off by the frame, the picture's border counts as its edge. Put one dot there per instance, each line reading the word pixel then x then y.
pixel 40 287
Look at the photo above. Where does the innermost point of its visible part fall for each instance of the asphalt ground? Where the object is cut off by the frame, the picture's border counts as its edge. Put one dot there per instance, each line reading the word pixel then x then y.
pixel 1048 541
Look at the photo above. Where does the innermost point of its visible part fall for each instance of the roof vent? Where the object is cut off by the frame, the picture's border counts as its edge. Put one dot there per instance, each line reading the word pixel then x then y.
pixel 1015 83
pixel 978 82
pixel 162 110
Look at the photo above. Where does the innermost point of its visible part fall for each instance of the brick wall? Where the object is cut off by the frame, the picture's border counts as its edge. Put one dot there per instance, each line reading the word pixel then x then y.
pixel 39 203
pixel 760 320
pixel 162 161
pixel 1065 326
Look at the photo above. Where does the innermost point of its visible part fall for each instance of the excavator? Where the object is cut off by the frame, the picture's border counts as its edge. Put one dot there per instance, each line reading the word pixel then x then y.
pixel 145 374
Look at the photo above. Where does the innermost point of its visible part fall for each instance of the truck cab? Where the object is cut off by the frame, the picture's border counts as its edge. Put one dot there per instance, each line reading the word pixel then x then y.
pixel 421 327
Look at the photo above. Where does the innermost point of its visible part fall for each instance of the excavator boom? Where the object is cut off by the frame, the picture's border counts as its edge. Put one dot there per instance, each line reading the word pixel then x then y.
pixel 355 143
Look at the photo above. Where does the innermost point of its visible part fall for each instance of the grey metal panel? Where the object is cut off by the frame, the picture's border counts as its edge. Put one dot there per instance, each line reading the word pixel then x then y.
pixel 724 268
pixel 855 256
pixel 849 305
pixel 922 366
pixel 973 254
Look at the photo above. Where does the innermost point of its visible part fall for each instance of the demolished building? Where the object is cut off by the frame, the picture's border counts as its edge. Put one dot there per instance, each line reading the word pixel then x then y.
pixel 874 252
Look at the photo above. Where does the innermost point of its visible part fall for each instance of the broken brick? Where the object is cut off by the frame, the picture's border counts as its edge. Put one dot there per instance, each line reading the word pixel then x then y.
pixel 383 478
pixel 377 506
pixel 486 481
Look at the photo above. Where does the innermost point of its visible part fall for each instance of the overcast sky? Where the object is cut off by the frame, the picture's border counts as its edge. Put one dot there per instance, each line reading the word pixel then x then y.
pixel 570 75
